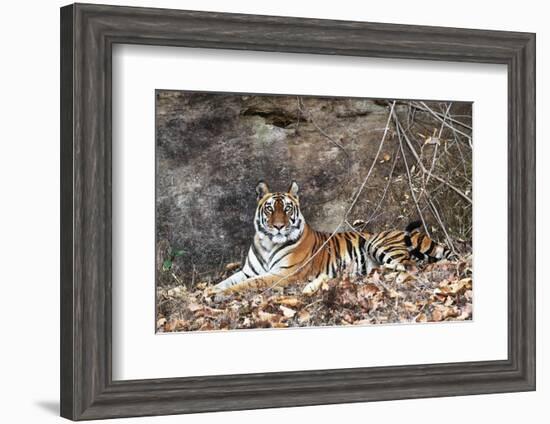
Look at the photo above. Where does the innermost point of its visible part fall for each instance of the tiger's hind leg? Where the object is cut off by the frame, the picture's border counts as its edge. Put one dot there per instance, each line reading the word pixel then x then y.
pixel 370 265
pixel 395 266
pixel 423 248
pixel 397 261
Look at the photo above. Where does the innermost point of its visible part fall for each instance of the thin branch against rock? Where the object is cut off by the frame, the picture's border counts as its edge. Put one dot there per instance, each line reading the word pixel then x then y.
pixel 423 168
pixel 457 143
pixel 430 171
pixel 309 117
pixel 436 116
pixel 437 216
pixel 390 176
pixel 398 128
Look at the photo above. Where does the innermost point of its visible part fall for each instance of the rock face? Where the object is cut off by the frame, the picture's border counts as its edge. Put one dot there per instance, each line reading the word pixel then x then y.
pixel 212 149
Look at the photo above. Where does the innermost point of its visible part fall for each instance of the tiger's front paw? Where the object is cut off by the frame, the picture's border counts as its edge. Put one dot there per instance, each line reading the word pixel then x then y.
pixel 220 288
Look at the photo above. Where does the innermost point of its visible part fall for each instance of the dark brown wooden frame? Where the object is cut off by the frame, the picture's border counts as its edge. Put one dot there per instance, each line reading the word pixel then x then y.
pixel 88 33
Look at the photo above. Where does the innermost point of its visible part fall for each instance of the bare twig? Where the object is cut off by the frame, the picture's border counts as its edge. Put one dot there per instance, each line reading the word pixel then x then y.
pixel 176 278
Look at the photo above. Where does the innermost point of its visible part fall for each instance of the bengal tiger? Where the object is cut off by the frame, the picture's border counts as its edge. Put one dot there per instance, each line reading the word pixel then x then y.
pixel 286 249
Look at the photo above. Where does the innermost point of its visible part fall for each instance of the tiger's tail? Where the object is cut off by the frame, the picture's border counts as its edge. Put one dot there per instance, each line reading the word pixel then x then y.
pixel 422 247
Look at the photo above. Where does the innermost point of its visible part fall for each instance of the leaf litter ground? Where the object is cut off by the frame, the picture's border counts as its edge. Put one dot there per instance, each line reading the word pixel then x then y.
pixel 435 292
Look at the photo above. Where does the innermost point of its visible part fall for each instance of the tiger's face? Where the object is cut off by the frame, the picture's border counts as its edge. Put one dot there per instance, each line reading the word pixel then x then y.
pixel 278 217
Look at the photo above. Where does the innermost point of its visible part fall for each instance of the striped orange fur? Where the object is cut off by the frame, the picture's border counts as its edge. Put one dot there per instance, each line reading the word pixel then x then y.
pixel 286 249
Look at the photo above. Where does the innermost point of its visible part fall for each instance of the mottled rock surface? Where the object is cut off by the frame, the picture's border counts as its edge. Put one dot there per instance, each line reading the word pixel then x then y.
pixel 213 148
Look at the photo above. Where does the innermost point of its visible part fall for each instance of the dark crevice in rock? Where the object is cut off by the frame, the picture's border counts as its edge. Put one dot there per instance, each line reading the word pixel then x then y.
pixel 277 118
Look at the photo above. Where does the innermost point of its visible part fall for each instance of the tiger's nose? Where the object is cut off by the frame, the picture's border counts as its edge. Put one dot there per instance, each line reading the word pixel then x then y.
pixel 279 226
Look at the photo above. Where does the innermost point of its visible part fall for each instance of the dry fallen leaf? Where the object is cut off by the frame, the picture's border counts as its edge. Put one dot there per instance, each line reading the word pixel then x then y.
pixel 287 301
pixel 391 276
pixel 211 312
pixel 287 312
pixel 173 325
pixel 410 307
pixel 465 313
pixel 279 324
pixel 348 317
pixel 392 293
pixel 437 315
pixel 368 290
pixel 449 301
pixel 456 287
pixel 304 316
pixel 433 140
pixel 194 307
pixel 207 326
pixel 177 291
pixel 347 298
pixel 232 266
pixel 345 283
pixel 402 277
pixel 257 301
pixel 161 322
pixel 442 312
pixel 266 316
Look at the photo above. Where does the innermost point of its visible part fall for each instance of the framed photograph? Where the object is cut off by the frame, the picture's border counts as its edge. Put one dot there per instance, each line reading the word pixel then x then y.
pixel 264 212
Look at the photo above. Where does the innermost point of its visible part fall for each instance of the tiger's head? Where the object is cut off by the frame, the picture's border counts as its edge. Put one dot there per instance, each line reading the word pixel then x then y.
pixel 278 217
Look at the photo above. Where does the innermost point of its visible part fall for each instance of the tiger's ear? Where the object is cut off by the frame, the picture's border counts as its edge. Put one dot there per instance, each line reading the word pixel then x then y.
pixel 293 189
pixel 261 190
